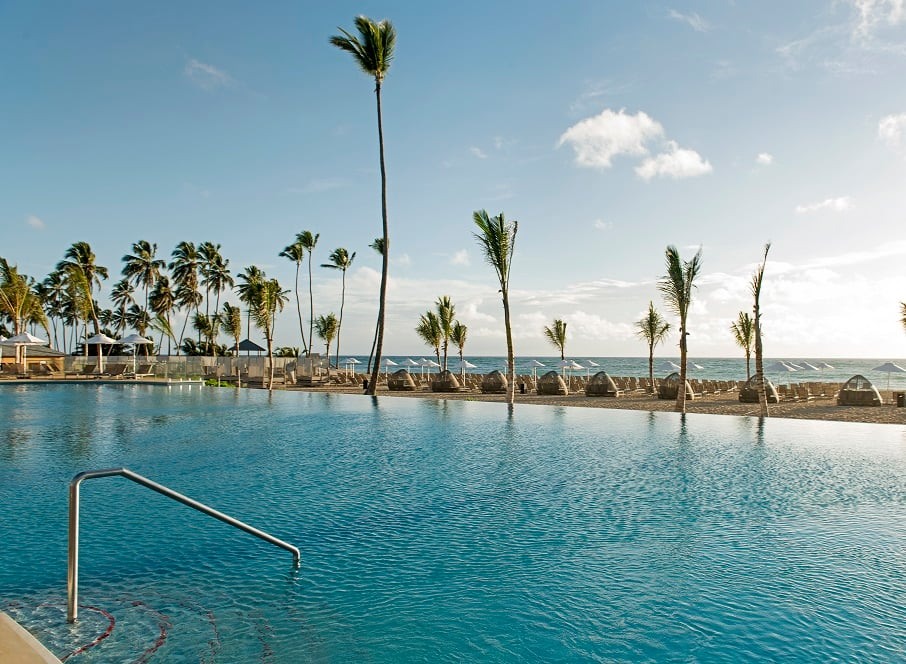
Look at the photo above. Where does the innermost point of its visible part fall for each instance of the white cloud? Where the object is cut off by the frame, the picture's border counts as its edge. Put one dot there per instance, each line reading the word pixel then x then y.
pixel 461 257
pixel 875 13
pixel 676 163
pixel 402 259
pixel 319 185
pixel 478 152
pixel 206 76
pixel 891 129
pixel 498 142
pixel 764 159
pixel 840 204
pixel 596 140
pixel 35 222
pixel 602 225
pixel 693 20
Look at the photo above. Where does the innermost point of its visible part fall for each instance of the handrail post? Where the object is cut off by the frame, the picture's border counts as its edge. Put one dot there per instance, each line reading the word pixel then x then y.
pixel 72 571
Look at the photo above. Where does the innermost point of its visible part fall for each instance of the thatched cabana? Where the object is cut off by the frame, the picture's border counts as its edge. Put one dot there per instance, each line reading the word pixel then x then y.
pixel 669 386
pixel 494 383
pixel 400 381
pixel 445 381
pixel 552 383
pixel 601 385
pixel 859 391
pixel 748 393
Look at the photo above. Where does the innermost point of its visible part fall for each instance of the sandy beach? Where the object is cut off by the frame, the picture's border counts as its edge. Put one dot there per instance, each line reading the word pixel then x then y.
pixel 723 404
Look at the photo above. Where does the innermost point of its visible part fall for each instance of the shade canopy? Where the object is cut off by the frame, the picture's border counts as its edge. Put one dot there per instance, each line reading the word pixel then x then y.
pixel 24 339
pixel 409 362
pixel 100 339
pixel 890 367
pixel 351 360
pixel 695 366
pixel 135 340
pixel 468 365
pixel 431 363
pixel 536 363
pixel 390 363
pixel 810 367
pixel 591 363
pixel 670 366
pixel 780 367
pixel 825 365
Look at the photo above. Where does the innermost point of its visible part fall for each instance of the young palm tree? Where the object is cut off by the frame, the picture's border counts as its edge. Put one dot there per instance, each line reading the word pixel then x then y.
pixel 80 261
pixel 309 241
pixel 122 296
pixel 141 267
pixel 497 239
pixel 743 329
pixel 267 299
pixel 162 303
pixel 372 51
pixel 757 280
pixel 458 337
pixel 326 328
pixel 429 330
pixel 340 259
pixel 252 278
pixel 903 314
pixel 296 252
pixel 19 301
pixel 653 329
pixel 446 315
pixel 677 287
pixel 556 334
pixel 231 317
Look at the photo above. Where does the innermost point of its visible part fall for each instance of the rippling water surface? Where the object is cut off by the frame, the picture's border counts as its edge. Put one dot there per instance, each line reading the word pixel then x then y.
pixel 450 531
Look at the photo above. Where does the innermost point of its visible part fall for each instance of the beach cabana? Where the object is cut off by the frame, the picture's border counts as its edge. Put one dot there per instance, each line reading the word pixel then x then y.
pixel 859 391
pixel 552 383
pixel 445 382
pixel 601 385
pixel 748 393
pixel 494 383
pixel 400 381
pixel 669 386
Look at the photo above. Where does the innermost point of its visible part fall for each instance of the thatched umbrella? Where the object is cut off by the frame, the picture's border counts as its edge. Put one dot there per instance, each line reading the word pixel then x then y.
pixel 494 383
pixel 445 382
pixel 669 387
pixel 859 391
pixel 552 383
pixel 400 381
pixel 601 385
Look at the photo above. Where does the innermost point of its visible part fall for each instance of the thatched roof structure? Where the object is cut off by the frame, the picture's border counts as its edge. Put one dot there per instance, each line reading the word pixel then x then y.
pixel 669 387
pixel 552 383
pixel 859 391
pixel 748 393
pixel 400 381
pixel 494 383
pixel 445 381
pixel 601 385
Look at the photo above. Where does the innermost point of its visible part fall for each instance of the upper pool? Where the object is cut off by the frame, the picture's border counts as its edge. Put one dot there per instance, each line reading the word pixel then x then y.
pixel 435 530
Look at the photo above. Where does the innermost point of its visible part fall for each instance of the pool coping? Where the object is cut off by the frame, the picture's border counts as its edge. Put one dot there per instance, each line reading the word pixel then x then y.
pixel 19 646
pixel 102 381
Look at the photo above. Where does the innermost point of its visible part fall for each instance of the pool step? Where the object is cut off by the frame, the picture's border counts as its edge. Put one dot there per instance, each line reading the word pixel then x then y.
pixel 18 646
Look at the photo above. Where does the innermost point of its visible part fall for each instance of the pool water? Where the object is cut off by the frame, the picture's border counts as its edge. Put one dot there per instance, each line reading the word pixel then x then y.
pixel 449 531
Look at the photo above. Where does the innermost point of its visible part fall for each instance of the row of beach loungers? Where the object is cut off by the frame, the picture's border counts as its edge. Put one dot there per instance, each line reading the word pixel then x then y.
pixel 87 371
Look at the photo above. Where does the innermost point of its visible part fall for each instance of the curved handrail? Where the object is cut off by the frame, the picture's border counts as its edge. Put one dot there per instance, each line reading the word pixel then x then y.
pixel 72 576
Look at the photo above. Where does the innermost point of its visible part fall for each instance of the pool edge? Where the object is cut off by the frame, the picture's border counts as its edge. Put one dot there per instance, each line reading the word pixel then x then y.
pixel 19 646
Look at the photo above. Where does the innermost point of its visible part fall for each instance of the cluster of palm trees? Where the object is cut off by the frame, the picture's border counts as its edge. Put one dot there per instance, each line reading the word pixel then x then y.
pixel 439 327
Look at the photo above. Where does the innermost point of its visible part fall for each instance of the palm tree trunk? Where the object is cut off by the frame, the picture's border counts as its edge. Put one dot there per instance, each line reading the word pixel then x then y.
pixel 759 366
pixel 386 253
pixel 650 367
pixel 340 322
pixel 748 365
pixel 299 310
pixel 311 307
pixel 510 357
pixel 681 390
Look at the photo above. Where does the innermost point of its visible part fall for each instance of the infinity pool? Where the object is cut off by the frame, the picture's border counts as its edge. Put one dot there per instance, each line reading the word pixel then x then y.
pixel 449 531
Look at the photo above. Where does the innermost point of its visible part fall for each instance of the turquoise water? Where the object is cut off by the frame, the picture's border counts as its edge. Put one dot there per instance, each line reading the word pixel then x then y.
pixel 450 531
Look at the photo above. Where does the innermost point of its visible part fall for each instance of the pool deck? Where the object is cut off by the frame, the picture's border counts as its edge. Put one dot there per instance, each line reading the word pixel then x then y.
pixel 103 381
pixel 18 646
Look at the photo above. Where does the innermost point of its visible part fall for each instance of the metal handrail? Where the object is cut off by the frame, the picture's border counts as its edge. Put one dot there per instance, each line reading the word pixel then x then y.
pixel 72 576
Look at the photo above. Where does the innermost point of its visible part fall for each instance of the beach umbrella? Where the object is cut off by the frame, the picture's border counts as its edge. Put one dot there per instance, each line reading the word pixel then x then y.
pixel 780 368
pixel 810 367
pixel 25 340
pixel 409 362
pixel 465 364
pixel 588 366
pixel 670 366
pixel 387 364
pixel 889 368
pixel 350 362
pixel 695 366
pixel 534 364
pixel 135 340
pixel 825 365
pixel 100 340
pixel 794 366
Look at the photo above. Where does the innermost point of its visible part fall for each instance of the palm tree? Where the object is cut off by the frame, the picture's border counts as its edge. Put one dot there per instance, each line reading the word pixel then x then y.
pixel 757 280
pixel 326 328
pixel 138 319
pixel 267 299
pixel 458 336
pixel 743 329
pixel 556 334
pixel 184 269
pixel 309 241
pixel 378 246
pixel 340 259
pixel 122 295
pixel 446 315
pixel 653 329
pixel 676 287
pixel 372 51
pixel 497 239
pixel 903 314
pixel 52 292
pixel 189 299
pixel 19 301
pixel 79 260
pixel 142 268
pixel 231 317
pixel 162 303
pixel 429 330
pixel 215 273
pixel 252 278
pixel 296 252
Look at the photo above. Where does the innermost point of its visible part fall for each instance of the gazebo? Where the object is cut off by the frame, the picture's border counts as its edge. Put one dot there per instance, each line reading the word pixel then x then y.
pixel 400 381
pixel 552 383
pixel 445 382
pixel 494 383
pixel 669 386
pixel 859 391
pixel 601 385
pixel 748 393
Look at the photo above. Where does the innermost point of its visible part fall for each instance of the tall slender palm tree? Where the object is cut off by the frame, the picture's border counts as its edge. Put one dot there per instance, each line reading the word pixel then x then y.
pixel 653 329
pixel 446 316
pixel 458 336
pixel 372 51
pixel 189 299
pixel 252 278
pixel 296 253
pixel 378 246
pixel 184 270
pixel 757 280
pixel 215 273
pixel 340 259
pixel 142 268
pixel 556 334
pixel 80 260
pixel 231 317
pixel 429 330
pixel 497 239
pixel 122 295
pixel 268 298
pixel 162 303
pixel 743 329
pixel 677 286
pixel 326 327
pixel 309 241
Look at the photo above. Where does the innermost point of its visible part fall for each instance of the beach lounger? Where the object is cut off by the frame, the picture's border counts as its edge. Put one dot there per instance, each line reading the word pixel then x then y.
pixel 20 371
pixel 116 370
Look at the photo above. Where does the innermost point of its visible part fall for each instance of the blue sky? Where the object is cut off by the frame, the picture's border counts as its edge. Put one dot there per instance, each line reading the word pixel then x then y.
pixel 609 130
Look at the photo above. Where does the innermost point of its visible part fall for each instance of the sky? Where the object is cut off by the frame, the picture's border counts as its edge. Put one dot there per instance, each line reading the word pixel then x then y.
pixel 608 130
